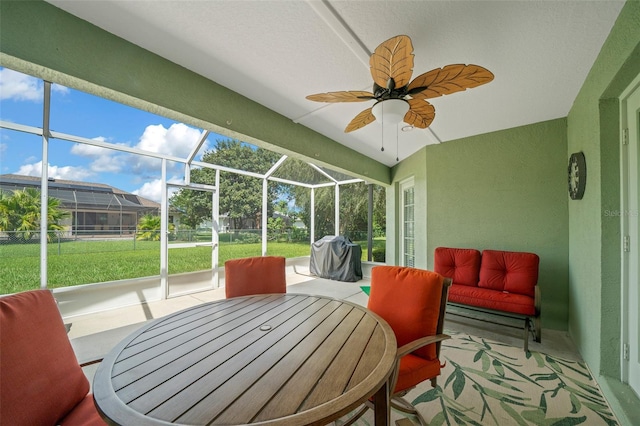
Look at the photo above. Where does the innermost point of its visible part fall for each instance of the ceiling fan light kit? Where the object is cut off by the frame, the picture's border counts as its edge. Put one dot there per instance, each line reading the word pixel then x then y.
pixel 391 111
pixel 398 98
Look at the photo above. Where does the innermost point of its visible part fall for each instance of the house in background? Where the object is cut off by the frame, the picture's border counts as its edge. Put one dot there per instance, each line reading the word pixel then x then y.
pixel 505 189
pixel 95 209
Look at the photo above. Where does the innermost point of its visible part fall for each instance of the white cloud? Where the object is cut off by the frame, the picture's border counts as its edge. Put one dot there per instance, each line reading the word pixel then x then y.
pixel 106 164
pixel 56 172
pixel 21 87
pixel 152 190
pixel 104 159
pixel 178 140
pixel 93 151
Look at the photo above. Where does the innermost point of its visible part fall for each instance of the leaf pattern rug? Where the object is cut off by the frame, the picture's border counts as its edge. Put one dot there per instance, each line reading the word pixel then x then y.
pixel 485 382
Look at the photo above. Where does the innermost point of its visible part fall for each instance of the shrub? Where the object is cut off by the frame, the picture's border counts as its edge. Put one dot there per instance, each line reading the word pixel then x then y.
pixel 379 254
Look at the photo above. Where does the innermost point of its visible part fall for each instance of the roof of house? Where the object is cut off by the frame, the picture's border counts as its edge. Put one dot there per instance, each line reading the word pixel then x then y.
pixel 80 193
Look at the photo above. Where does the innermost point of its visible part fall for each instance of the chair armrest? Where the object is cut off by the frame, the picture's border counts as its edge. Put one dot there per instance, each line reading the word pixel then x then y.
pixel 417 344
pixel 88 362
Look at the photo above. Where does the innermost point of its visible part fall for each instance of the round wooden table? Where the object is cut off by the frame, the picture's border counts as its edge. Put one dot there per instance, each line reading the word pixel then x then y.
pixel 285 359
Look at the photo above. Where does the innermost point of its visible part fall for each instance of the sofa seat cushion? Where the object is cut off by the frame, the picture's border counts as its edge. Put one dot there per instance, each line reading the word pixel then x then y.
pixel 515 272
pixel 492 299
pixel 461 265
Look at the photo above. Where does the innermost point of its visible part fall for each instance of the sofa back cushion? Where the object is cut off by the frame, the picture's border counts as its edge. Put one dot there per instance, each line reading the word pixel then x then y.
pixel 459 264
pixel 514 272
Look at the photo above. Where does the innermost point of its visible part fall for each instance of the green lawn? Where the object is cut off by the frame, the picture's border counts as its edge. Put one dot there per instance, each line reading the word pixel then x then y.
pixel 83 262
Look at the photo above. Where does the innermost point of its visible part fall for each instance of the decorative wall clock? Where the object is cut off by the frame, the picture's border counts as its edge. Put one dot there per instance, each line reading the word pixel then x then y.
pixel 577 175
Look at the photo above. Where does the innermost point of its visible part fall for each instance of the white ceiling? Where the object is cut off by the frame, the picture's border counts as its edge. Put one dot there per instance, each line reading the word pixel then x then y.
pixel 278 52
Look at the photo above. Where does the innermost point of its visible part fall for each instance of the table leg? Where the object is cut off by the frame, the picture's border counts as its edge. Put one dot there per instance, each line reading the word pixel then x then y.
pixel 382 404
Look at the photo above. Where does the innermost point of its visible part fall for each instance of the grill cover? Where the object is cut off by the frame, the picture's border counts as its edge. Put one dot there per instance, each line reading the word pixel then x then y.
pixel 336 258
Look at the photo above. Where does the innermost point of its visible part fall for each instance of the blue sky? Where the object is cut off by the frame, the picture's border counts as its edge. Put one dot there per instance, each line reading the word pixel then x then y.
pixel 77 113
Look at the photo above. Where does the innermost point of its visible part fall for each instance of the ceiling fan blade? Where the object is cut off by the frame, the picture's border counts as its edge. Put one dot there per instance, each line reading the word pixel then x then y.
pixel 393 59
pixel 447 80
pixel 360 120
pixel 346 96
pixel 421 113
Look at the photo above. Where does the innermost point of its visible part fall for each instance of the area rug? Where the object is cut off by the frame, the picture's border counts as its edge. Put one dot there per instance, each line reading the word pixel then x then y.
pixel 485 382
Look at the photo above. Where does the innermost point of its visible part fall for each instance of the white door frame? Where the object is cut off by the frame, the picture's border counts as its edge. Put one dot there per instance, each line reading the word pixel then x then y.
pixel 215 231
pixel 404 186
pixel 629 187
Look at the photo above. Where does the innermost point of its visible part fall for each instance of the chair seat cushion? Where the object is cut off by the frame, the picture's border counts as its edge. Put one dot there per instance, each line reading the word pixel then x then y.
pixel 413 370
pixel 492 299
pixel 84 414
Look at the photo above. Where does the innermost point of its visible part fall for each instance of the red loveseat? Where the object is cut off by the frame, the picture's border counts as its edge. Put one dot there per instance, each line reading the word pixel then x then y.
pixel 496 282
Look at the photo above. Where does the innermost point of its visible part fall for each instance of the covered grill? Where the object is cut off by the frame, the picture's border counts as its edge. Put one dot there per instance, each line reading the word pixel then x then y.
pixel 336 258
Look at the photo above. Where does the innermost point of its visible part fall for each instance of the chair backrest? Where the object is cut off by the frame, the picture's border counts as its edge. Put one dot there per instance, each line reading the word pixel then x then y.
pixel 40 378
pixel 255 275
pixel 413 302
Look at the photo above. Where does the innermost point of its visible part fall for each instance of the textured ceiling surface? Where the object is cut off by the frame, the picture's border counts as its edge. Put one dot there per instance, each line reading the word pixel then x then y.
pixel 278 52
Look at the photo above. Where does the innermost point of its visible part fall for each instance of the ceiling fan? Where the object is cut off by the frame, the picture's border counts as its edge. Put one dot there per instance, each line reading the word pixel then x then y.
pixel 391 69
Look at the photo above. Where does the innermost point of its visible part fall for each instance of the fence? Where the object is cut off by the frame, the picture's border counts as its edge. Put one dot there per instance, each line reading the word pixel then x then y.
pixel 23 243
pixel 26 244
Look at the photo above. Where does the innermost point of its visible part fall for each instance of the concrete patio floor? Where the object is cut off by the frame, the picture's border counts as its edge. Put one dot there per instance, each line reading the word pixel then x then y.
pixel 92 336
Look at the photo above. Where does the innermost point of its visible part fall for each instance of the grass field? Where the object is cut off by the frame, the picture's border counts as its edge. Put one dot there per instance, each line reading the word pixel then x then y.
pixel 83 262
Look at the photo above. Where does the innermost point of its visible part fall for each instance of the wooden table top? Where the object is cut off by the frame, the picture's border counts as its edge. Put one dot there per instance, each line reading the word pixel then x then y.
pixel 285 359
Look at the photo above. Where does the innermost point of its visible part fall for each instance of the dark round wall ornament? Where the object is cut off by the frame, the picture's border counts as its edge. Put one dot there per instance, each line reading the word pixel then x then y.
pixel 577 175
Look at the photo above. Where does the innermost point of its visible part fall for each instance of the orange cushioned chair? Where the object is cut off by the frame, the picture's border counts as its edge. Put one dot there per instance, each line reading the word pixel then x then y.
pixel 413 302
pixel 255 275
pixel 41 382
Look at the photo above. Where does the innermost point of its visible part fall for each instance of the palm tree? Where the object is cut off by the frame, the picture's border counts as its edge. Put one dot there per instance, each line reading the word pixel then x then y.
pixel 149 228
pixel 20 214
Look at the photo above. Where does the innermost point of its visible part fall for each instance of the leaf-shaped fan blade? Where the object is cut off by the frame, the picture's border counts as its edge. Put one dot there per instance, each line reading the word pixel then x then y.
pixel 393 59
pixel 350 96
pixel 447 80
pixel 360 120
pixel 421 113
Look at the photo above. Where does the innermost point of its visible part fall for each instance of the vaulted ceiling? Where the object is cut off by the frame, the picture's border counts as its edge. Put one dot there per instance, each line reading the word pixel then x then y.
pixel 278 52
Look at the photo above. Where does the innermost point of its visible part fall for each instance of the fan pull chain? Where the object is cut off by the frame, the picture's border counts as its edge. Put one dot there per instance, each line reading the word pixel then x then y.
pixel 382 135
pixel 397 137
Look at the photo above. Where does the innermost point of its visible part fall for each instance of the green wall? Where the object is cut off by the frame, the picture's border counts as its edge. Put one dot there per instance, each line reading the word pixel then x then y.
pixel 508 190
pixel 504 190
pixel 594 243
pixel 43 41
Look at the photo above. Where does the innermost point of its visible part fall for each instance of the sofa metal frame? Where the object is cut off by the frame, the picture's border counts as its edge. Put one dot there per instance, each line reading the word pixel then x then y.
pixel 532 324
